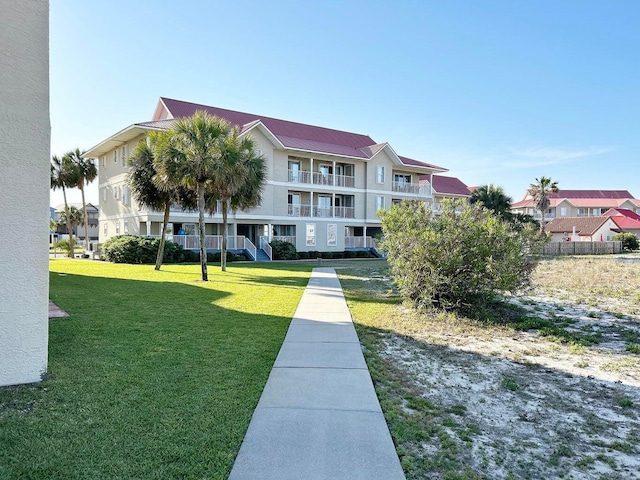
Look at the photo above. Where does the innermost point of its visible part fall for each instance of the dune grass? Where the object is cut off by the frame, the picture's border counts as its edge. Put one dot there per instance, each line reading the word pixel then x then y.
pixel 153 374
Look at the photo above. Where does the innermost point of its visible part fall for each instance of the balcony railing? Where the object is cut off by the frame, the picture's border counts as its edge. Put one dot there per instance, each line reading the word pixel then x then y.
pixel 411 188
pixel 320 211
pixel 284 238
pixel 211 242
pixel 319 178
pixel 359 242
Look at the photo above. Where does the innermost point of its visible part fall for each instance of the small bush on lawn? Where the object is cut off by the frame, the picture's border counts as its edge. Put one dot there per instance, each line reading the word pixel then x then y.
pixel 629 241
pixel 64 245
pixel 215 257
pixel 458 259
pixel 283 250
pixel 134 249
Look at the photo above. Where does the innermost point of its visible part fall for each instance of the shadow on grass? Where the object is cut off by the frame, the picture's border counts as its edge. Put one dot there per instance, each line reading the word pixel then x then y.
pixel 146 380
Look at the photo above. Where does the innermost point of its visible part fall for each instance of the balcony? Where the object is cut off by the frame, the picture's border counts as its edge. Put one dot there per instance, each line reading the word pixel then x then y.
pixel 320 211
pixel 319 178
pixel 412 188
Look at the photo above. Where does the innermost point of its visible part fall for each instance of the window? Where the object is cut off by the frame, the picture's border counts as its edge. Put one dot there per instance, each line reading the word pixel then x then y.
pixel 125 195
pixel 103 161
pixel 126 227
pixel 311 235
pixel 324 206
pixel 104 194
pixel 105 228
pixel 379 202
pixel 115 156
pixel 402 179
pixel 117 228
pixel 332 235
pixel 379 174
pixel 189 228
pixel 563 211
pixel 294 172
pixel 123 155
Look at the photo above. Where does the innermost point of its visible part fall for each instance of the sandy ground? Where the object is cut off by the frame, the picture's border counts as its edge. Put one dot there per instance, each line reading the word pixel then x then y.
pixel 544 409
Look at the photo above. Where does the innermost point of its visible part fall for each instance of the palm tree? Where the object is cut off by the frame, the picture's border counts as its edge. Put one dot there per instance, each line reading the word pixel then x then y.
pixel 493 198
pixel 151 191
pixel 86 173
pixel 72 217
pixel 63 176
pixel 540 191
pixel 238 180
pixel 188 156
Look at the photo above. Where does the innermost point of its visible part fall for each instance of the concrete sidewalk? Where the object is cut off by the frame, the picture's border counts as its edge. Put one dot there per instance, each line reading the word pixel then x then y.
pixel 318 416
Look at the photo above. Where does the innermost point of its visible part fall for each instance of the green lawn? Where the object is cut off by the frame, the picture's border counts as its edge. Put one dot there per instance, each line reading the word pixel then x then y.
pixel 153 375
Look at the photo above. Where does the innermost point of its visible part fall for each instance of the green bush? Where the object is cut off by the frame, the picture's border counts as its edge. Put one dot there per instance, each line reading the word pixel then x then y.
pixel 458 259
pixel 629 241
pixel 283 250
pixel 134 249
pixel 64 244
pixel 215 257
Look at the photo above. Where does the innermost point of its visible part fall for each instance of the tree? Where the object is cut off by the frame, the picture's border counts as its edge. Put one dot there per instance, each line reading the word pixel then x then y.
pixel 540 191
pixel 72 217
pixel 153 191
pixel 237 180
pixel 188 156
pixel 64 175
pixel 86 173
pixel 457 260
pixel 494 199
pixel 628 239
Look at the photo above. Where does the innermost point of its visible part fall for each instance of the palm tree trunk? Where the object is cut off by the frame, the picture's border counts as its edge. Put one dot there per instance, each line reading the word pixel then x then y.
pixel 165 221
pixel 203 251
pixel 223 254
pixel 541 222
pixel 71 252
pixel 86 220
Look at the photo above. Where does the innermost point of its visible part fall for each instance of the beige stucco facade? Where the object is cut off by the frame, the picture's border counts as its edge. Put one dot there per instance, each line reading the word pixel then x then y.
pixel 24 156
pixel 318 201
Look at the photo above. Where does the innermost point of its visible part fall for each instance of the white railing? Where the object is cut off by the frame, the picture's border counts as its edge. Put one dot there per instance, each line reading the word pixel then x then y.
pixel 423 190
pixel 322 212
pixel 264 245
pixel 319 178
pixel 249 247
pixel 358 242
pixel 344 181
pixel 344 212
pixel 299 176
pixel 284 238
pixel 299 210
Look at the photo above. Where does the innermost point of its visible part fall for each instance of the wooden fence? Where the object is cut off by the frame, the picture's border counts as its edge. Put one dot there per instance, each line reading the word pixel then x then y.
pixel 582 248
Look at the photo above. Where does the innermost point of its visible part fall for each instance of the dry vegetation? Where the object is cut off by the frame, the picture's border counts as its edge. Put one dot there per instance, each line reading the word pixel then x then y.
pixel 547 388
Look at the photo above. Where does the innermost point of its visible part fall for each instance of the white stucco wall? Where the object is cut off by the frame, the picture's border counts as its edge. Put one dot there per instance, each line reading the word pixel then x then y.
pixel 24 189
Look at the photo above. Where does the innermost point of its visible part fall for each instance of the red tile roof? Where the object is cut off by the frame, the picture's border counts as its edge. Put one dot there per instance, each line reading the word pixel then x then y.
pixel 625 219
pixel 297 136
pixel 447 185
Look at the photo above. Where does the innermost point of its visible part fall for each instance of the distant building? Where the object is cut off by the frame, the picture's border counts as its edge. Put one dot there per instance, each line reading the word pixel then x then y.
pixel 93 213
pixel 578 203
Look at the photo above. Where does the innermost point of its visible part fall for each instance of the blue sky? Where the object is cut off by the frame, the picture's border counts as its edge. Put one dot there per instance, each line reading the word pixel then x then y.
pixel 498 92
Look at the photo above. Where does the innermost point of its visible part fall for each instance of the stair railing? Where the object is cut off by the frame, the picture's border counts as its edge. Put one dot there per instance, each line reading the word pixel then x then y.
pixel 264 245
pixel 251 248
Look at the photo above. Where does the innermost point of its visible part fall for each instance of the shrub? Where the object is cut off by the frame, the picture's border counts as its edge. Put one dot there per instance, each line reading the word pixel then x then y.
pixel 458 259
pixel 283 250
pixel 215 257
pixel 134 249
pixel 629 240
pixel 64 244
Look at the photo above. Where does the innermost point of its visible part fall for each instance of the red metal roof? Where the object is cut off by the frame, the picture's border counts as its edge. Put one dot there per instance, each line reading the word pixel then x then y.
pixel 571 194
pixel 625 219
pixel 448 185
pixel 297 136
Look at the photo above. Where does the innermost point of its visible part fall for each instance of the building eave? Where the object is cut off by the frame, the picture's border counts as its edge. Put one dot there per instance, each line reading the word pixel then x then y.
pixel 114 141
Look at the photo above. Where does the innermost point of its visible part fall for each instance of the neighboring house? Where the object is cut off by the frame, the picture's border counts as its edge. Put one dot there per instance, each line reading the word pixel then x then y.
pixel 576 229
pixel 447 187
pixel 627 220
pixel 78 230
pixel 578 203
pixel 322 193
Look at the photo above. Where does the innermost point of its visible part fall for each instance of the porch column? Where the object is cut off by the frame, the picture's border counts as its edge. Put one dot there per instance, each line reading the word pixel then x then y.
pixel 333 200
pixel 311 170
pixel 311 202
pixel 364 236
pixel 270 234
pixel 334 175
pixel 147 225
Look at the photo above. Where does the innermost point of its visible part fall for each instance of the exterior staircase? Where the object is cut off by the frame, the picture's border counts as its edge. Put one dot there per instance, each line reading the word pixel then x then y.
pixel 261 256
